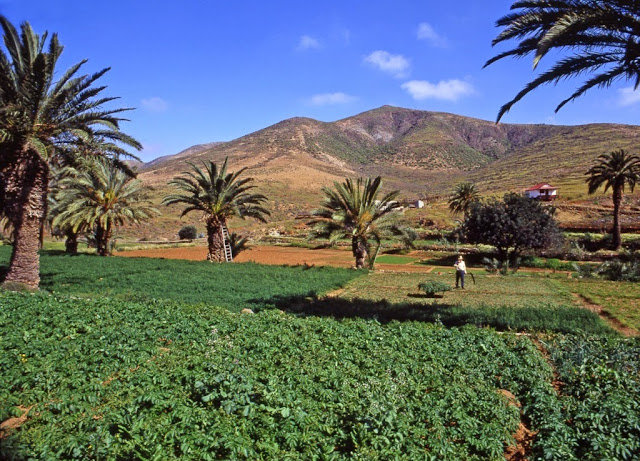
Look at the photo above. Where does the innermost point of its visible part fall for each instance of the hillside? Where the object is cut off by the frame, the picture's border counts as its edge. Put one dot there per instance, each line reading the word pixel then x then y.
pixel 421 153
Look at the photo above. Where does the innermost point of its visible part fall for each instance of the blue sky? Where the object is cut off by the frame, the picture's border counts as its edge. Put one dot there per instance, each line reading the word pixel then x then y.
pixel 200 71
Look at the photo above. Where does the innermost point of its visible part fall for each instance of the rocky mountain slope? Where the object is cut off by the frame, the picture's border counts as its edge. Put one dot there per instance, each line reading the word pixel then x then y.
pixel 419 152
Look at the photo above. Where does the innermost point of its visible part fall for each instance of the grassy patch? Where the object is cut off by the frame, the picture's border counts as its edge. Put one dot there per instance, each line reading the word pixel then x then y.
pixel 233 286
pixel 522 289
pixel 619 299
pixel 395 259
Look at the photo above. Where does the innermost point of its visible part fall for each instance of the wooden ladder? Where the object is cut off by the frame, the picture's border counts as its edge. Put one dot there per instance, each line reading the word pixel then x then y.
pixel 228 254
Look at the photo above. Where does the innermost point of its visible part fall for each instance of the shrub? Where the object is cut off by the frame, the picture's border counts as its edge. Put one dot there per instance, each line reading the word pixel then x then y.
pixel 432 287
pixel 188 233
pixel 621 271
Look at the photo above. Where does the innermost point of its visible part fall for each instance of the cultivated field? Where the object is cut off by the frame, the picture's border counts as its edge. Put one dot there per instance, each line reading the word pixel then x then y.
pixel 334 364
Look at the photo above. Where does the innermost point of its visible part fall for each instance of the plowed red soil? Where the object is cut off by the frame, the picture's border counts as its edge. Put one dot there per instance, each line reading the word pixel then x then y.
pixel 276 255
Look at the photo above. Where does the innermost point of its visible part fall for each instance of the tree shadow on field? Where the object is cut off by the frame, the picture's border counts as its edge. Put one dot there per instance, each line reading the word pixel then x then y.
pixel 504 318
pixel 383 311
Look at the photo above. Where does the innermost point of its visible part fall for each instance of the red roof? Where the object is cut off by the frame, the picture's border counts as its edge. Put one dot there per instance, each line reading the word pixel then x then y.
pixel 541 186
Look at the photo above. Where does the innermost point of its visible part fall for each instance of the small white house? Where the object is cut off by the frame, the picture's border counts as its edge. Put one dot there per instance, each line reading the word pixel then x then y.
pixel 542 191
pixel 417 204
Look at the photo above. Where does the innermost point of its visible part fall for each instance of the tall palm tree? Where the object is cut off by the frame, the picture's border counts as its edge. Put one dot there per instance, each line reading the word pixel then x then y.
pixel 615 170
pixel 219 196
pixel 603 35
pixel 38 114
pixel 356 209
pixel 463 196
pixel 102 198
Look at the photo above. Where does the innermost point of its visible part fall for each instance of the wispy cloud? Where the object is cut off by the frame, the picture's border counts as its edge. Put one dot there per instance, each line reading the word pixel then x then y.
pixel 447 90
pixel 394 64
pixel 155 104
pixel 326 99
pixel 628 96
pixel 428 33
pixel 307 42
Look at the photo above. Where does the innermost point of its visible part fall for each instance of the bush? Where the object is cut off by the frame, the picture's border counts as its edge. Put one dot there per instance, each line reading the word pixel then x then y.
pixel 621 271
pixel 432 287
pixel 188 233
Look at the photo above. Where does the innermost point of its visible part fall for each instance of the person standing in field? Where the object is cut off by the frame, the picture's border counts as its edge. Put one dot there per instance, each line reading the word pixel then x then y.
pixel 461 270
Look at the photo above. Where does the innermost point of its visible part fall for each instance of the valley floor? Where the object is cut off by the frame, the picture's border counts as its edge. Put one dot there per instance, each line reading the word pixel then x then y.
pixel 123 358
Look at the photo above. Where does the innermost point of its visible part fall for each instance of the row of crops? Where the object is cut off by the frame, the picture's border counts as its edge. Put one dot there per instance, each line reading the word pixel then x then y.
pixel 118 379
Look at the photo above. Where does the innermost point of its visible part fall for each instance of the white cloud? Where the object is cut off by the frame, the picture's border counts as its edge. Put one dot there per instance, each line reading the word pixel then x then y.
pixel 448 90
pixel 428 33
pixel 628 96
pixel 395 64
pixel 155 104
pixel 326 99
pixel 308 43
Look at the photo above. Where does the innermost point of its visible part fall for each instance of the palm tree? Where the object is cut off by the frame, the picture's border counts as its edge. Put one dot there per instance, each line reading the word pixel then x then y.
pixel 356 209
pixel 219 196
pixel 463 196
pixel 38 114
pixel 69 163
pixel 604 37
pixel 101 198
pixel 615 170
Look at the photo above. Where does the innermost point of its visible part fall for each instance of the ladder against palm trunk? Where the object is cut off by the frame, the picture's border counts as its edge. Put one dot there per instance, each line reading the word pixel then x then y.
pixel 228 254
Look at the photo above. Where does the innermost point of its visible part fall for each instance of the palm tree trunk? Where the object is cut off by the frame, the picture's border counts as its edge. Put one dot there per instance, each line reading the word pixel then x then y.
pixel 359 249
pixel 25 196
pixel 102 240
pixel 616 231
pixel 71 242
pixel 215 240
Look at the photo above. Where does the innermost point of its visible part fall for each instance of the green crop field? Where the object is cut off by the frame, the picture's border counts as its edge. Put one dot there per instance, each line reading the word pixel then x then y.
pixel 122 358
pixel 233 286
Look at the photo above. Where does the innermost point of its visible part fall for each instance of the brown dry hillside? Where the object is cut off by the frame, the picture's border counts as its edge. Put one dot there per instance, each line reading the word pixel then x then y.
pixel 418 152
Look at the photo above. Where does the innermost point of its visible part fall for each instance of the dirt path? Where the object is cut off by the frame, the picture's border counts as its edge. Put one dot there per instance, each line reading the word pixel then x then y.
pixel 604 315
pixel 11 424
pixel 276 255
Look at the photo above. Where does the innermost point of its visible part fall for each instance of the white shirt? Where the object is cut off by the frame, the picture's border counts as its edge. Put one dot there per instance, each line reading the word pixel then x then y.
pixel 460 265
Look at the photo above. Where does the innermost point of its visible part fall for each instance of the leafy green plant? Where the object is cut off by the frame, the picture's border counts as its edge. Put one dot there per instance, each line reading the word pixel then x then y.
pixel 160 379
pixel 188 233
pixel 621 271
pixel 432 287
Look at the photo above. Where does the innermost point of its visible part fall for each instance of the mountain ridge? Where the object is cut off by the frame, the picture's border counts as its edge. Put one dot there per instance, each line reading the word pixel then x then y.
pixel 421 153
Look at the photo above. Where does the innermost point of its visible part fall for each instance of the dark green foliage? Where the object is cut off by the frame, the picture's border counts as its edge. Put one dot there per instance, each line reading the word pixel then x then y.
pixel 233 286
pixel 162 380
pixel 601 396
pixel 621 271
pixel 188 233
pixel 511 225
pixel 432 287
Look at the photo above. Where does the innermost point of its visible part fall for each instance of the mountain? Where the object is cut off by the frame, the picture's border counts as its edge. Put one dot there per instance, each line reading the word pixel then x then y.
pixel 418 152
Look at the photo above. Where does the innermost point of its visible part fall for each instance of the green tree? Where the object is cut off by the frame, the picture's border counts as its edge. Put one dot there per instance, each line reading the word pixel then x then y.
pixel 602 35
pixel 463 196
pixel 219 196
pixel 102 198
pixel 70 161
pixel 37 115
pixel 357 210
pixel 615 170
pixel 511 225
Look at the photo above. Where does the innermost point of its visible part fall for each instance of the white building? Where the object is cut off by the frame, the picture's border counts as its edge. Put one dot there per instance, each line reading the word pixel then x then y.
pixel 542 191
